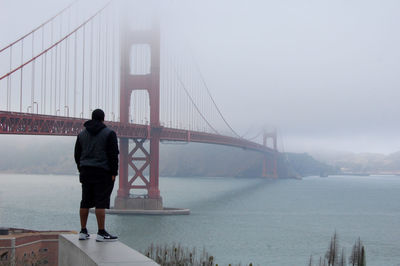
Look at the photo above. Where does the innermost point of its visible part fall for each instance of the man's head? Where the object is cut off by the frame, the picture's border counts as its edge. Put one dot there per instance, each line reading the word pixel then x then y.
pixel 98 115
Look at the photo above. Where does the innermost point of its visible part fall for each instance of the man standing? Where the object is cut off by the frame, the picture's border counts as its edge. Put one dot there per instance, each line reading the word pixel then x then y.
pixel 96 156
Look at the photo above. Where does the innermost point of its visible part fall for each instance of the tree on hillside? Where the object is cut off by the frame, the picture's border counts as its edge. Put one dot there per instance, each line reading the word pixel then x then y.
pixel 333 258
pixel 332 253
pixel 342 260
pixel 357 257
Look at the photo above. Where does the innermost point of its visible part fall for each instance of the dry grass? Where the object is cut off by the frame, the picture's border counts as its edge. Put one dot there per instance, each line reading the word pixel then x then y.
pixel 176 255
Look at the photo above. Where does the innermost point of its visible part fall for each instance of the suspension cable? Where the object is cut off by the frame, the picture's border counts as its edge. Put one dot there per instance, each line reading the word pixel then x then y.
pixel 55 44
pixel 195 105
pixel 40 26
pixel 213 101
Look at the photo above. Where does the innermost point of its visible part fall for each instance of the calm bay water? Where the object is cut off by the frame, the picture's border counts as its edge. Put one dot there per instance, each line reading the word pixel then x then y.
pixel 265 222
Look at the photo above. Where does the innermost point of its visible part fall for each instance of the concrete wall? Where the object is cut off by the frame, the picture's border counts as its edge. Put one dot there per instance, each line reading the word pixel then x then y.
pixel 72 251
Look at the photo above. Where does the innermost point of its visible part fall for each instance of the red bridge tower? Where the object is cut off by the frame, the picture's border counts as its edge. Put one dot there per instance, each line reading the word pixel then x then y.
pixel 272 162
pixel 138 158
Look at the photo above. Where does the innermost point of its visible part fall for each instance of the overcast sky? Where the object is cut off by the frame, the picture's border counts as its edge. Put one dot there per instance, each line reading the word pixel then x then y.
pixel 325 73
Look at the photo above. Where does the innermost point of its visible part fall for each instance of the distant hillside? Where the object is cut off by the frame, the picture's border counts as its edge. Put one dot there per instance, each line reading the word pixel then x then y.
pixel 305 165
pixel 212 160
pixel 361 162
pixel 205 160
pixel 54 155
pixel 36 155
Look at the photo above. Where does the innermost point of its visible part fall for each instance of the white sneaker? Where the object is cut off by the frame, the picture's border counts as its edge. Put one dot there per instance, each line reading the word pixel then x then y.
pixel 106 237
pixel 83 236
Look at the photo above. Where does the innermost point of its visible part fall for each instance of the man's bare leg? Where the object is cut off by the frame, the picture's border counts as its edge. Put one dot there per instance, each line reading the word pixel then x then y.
pixel 83 213
pixel 101 217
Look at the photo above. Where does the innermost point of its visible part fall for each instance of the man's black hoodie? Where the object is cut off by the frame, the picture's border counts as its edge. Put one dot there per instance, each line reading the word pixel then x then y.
pixel 96 148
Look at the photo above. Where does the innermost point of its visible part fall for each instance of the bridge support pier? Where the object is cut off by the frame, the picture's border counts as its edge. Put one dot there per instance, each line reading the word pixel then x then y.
pixel 138 203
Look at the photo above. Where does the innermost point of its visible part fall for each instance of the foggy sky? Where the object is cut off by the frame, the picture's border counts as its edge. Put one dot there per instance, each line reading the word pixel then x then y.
pixel 325 73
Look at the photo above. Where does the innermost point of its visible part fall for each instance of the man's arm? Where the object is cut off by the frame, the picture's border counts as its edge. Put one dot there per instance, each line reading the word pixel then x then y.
pixel 77 153
pixel 112 153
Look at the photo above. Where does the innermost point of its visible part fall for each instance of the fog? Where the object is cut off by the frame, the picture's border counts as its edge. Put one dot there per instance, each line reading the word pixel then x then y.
pixel 324 73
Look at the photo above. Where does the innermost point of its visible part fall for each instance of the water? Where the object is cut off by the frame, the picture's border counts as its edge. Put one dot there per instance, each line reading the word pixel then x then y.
pixel 237 220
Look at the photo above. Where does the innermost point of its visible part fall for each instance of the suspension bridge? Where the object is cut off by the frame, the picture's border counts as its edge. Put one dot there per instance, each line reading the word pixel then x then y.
pixel 133 68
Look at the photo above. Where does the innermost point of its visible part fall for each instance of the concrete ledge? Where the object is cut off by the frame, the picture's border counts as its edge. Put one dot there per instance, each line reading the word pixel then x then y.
pixel 91 253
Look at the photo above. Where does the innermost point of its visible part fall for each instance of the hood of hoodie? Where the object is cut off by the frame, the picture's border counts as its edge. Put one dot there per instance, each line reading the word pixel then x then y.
pixel 94 126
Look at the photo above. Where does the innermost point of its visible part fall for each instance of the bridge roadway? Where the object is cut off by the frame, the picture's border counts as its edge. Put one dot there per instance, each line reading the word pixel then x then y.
pixel 37 124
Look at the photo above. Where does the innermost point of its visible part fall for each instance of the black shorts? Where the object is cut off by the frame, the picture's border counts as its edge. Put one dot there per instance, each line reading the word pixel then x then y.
pixel 96 190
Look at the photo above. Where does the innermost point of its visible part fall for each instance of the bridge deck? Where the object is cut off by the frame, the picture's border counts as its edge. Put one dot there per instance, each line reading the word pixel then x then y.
pixel 35 124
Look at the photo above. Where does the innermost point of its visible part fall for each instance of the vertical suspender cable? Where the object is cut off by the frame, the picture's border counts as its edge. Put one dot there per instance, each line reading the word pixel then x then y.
pixel 106 78
pixel 33 74
pixel 145 64
pixel 193 92
pixel 172 84
pixel 51 73
pixel 77 19
pixel 188 105
pixel 20 87
pixel 174 92
pixel 60 73
pixel 113 70
pixel 198 101
pixel 147 68
pixel 137 94
pixel 44 85
pixel 139 109
pixel 181 100
pixel 83 72
pixel 68 67
pixel 171 92
pixel 179 105
pixel 204 107
pixel 175 114
pixel 189 82
pixel 194 95
pixel 55 81
pixel 91 66
pixel 174 103
pixel 196 88
pixel 187 98
pixel 67 78
pixel 9 84
pixel 42 76
pixel 66 73
pixel 143 56
pixel 103 100
pixel 59 80
pixel 75 71
pixel 98 66
pixel 195 98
